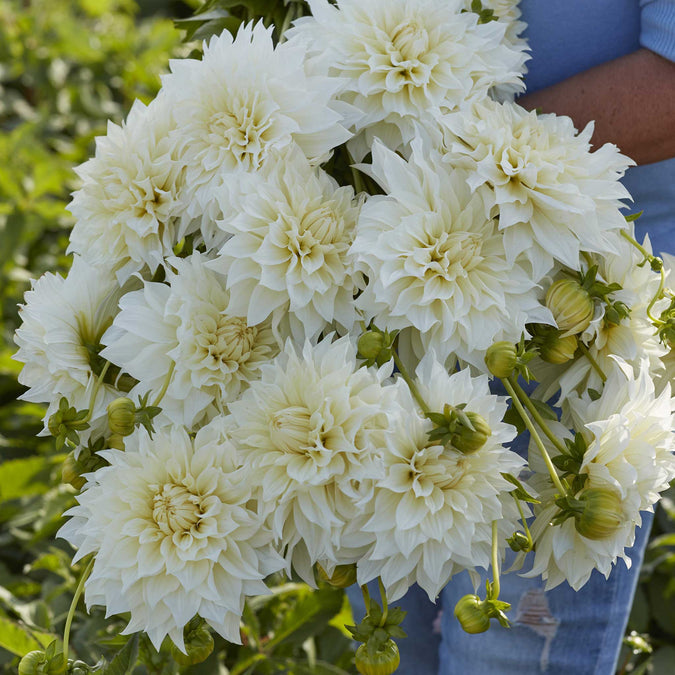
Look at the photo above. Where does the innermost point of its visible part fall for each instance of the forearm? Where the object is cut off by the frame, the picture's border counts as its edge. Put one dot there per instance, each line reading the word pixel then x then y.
pixel 631 99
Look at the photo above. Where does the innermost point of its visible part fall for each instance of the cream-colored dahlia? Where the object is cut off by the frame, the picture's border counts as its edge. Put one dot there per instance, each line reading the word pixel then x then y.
pixel 243 99
pixel 63 320
pixel 435 262
pixel 434 507
pixel 287 231
pixel 176 530
pixel 184 326
pixel 128 211
pixel 554 197
pixel 629 434
pixel 402 61
pixel 311 429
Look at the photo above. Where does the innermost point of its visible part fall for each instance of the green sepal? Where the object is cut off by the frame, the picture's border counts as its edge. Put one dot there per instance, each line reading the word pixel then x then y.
pixel 520 492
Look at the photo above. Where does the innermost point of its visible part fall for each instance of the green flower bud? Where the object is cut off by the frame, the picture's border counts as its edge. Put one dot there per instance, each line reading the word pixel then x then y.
pixel 571 305
pixel 122 416
pixel 370 344
pixel 384 661
pixel 71 472
pixel 602 513
pixel 198 643
pixel 472 614
pixel 519 541
pixel 342 577
pixel 33 663
pixel 558 349
pixel 468 441
pixel 501 359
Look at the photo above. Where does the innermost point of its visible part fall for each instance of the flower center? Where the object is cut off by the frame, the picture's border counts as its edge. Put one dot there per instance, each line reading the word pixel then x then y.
pixel 175 509
pixel 291 429
pixel 451 255
pixel 410 40
pixel 225 339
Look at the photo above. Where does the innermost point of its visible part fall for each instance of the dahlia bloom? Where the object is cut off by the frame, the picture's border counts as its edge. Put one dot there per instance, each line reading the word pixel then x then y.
pixel 176 531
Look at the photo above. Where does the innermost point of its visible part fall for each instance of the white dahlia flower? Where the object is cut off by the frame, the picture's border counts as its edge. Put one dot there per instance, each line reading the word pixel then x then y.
pixel 311 429
pixel 554 197
pixel 403 60
pixel 629 433
pixel 290 228
pixel 60 338
pixel 176 531
pixel 242 100
pixel 435 506
pixel 633 339
pixel 128 209
pixel 183 326
pixel 435 261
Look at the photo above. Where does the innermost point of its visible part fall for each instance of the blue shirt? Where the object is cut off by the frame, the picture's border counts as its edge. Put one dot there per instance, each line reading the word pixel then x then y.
pixel 569 36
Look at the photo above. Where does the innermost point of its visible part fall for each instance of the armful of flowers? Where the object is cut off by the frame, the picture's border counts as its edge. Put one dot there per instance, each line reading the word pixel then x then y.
pixel 298 276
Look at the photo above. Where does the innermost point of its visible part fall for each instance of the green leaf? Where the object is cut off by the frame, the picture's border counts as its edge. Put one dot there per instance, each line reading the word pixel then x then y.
pixel 22 477
pixel 663 661
pixel 633 216
pixel 124 661
pixel 520 492
pixel 19 639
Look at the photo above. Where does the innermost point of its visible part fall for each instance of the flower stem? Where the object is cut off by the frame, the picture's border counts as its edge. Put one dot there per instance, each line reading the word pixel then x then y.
pixel 595 365
pixel 525 399
pixel 366 597
pixel 165 386
pixel 523 520
pixel 94 391
pixel 245 665
pixel 495 562
pixel 73 606
pixel 535 436
pixel 385 605
pixel 290 15
pixel 409 381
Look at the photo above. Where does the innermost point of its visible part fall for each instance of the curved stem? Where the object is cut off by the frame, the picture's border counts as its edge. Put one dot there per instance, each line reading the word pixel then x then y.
pixel 525 399
pixel 659 295
pixel 595 365
pixel 411 385
pixel 495 562
pixel 523 520
pixel 385 605
pixel 165 386
pixel 94 391
pixel 535 436
pixel 73 606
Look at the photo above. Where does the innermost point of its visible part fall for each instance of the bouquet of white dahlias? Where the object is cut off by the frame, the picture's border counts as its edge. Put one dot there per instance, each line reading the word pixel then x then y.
pixel 297 275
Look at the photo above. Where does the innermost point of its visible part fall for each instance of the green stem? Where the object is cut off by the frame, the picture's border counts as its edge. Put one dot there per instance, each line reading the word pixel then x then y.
pixel 73 606
pixel 94 391
pixel 165 386
pixel 411 385
pixel 495 562
pixel 535 436
pixel 385 605
pixel 528 534
pixel 658 296
pixel 245 665
pixel 290 15
pixel 593 362
pixel 366 597
pixel 536 415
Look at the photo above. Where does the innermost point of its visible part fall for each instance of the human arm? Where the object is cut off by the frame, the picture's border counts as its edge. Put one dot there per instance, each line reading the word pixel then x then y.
pixel 631 99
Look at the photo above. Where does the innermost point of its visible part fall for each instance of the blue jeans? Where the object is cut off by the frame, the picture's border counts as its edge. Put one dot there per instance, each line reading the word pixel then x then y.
pixel 560 632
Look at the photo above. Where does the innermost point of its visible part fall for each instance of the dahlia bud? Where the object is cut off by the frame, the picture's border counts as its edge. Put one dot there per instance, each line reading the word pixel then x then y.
pixel 571 305
pixel 122 416
pixel 342 577
pixel 602 513
pixel 472 614
pixel 501 359
pixel 33 663
pixel 467 440
pixel 116 441
pixel 384 661
pixel 370 344
pixel 558 349
pixel 71 472
pixel 198 643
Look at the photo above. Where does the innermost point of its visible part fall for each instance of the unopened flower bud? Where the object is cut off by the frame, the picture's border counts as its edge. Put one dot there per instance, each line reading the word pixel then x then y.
pixel 501 359
pixel 342 577
pixel 519 541
pixel 370 344
pixel 468 441
pixel 71 472
pixel 116 441
pixel 122 416
pixel 384 661
pixel 198 643
pixel 558 349
pixel 472 614
pixel 571 305
pixel 602 514
pixel 33 663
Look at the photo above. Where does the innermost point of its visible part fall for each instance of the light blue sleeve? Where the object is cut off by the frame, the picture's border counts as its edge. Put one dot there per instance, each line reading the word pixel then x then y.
pixel 658 27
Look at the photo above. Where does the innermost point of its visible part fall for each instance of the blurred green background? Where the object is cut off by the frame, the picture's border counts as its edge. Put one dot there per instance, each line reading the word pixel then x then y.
pixel 66 67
